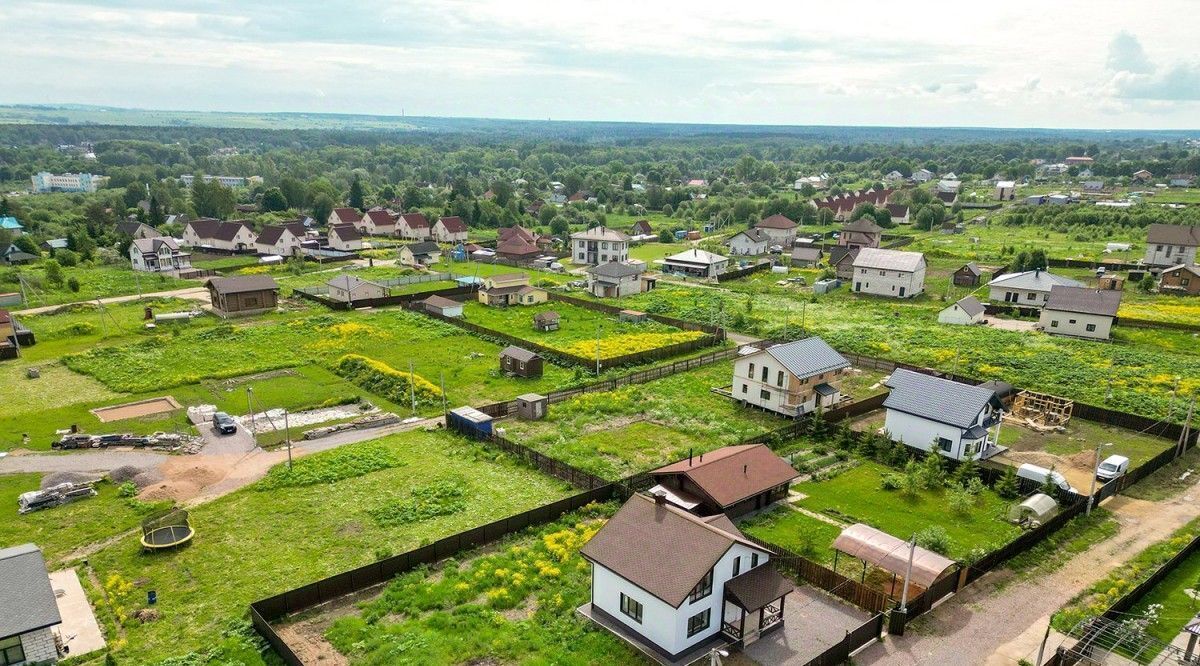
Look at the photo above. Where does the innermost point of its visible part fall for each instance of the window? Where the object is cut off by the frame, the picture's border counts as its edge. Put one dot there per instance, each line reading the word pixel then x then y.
pixel 699 622
pixel 753 560
pixel 862 271
pixel 1053 323
pixel 779 378
pixel 11 651
pixel 744 388
pixel 765 372
pixel 1030 296
pixel 751 375
pixel 703 588
pixel 765 395
pixel 945 444
pixel 631 608
pixel 737 565
pixel 804 381
pixel 1183 282
pixel 581 256
pixel 1158 248
pixel 1091 328
pixel 604 246
pixel 883 273
pixel 1071 321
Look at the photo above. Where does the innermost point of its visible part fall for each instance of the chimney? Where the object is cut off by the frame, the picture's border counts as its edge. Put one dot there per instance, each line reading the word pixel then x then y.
pixel 660 499
pixel 689 457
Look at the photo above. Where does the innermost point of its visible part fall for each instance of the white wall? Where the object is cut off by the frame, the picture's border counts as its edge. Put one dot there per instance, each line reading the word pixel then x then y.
pixel 956 315
pixel 920 433
pixel 1163 254
pixel 1073 323
pixel 1026 297
pixel 782 237
pixel 888 283
pixel 39 646
pixel 742 244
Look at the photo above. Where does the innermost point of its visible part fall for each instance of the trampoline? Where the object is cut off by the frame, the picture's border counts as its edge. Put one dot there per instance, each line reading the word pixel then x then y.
pixel 167 531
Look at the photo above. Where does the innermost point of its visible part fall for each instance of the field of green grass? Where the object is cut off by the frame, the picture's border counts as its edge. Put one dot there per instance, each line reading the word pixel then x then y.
pixel 1179 596
pixel 95 281
pixel 350 505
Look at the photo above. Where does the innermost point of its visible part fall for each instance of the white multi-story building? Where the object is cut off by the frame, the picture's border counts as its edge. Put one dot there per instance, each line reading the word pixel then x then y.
pixel 891 273
pixel 599 245
pixel 44 181
pixel 1171 244
pixel 936 414
pixel 228 181
pixel 792 379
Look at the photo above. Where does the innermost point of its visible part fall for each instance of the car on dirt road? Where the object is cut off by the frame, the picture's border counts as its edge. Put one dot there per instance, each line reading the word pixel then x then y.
pixel 224 423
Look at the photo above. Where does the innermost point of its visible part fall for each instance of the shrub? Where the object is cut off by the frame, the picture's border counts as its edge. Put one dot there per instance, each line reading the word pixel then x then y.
pixel 330 466
pixel 892 481
pixel 960 501
pixel 127 489
pixel 66 257
pixel 934 538
pixel 440 499
pixel 1008 487
pixel 933 472
pixel 381 378
pixel 73 284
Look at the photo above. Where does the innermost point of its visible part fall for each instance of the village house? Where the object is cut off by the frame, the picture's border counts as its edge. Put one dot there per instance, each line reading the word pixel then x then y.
pixel 791 379
pixel 1081 312
pixel 750 242
pixel 696 263
pixel 1180 180
pixel 922 175
pixel 242 294
pixel 158 255
pixel 893 273
pixel 13 256
pixel 343 216
pixel 1171 244
pixel 803 257
pixel 279 240
pixel 231 236
pixel 546 321
pixel 947 198
pixel 841 260
pixel 818 182
pixel 893 176
pixel 641 228
pixel 520 362
pixel 676 584
pixel 517 248
pixel 967 275
pixel 733 480
pixel 420 254
pixel 949 184
pixel 413 226
pixel 510 289
pixel 1006 190
pixel 1078 161
pixel 779 228
pixel 11 225
pixel 52 244
pixel 599 245
pixel 1143 176
pixel 1183 279
pixel 450 230
pixel 618 278
pixel 862 232
pixel 935 414
pixel 443 306
pixel 351 288
pixel 377 221
pixel 136 230
pixel 1093 185
pixel 967 310
pixel 1027 289
pixel 344 237
pixel 28 608
pixel 898 213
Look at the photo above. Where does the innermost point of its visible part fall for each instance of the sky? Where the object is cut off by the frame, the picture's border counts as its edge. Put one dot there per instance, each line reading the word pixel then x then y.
pixel 1043 63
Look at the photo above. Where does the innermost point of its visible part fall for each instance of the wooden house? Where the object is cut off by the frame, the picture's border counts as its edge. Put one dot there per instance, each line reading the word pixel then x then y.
pixel 520 362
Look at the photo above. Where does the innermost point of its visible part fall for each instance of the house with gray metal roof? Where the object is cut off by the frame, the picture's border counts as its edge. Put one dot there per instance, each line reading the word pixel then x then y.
pixel 1027 289
pixel 1082 312
pixel 28 608
pixel 618 278
pixel 967 310
pixel 792 379
pixel 959 421
pixel 892 273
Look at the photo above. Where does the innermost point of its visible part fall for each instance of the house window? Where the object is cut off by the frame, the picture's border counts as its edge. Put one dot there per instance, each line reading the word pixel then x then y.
pixel 631 608
pixel 751 375
pixel 1183 282
pixel 1030 296
pixel 1091 328
pixel 883 273
pixel 744 387
pixel 753 560
pixel 765 395
pixel 862 271
pixel 699 622
pixel 1053 323
pixel 779 378
pixel 765 372
pixel 581 256
pixel 1158 248
pixel 703 588
pixel 11 651
pixel 945 444
pixel 1071 321
pixel 737 565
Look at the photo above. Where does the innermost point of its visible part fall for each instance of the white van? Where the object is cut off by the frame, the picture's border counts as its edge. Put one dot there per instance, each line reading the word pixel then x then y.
pixel 1040 474
pixel 1112 467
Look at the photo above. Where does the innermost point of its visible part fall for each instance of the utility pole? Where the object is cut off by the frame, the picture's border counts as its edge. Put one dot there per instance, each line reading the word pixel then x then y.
pixel 287 435
pixel 412 387
pixel 1095 469
pixel 250 407
pixel 1185 434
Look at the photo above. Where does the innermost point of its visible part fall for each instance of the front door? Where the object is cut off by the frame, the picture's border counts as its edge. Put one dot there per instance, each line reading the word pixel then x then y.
pixel 901 292
pixel 857 286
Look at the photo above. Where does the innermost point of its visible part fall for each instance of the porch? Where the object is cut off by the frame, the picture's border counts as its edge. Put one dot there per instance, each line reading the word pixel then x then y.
pixel 754 603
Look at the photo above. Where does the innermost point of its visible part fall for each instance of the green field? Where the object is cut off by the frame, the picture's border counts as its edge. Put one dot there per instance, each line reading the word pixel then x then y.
pixel 1177 594
pixel 95 281
pixel 247 546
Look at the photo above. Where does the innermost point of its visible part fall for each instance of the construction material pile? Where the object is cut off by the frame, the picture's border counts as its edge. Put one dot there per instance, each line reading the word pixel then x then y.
pixel 63 493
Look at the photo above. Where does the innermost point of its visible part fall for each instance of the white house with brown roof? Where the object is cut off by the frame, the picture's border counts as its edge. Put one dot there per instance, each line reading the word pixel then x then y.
pixel 345 237
pixel 345 215
pixel 862 232
pixel 377 221
pixel 231 236
pixel 413 226
pixel 1081 312
pixel 158 255
pixel 733 480
pixel 893 273
pixel 792 379
pixel 450 230
pixel 277 239
pixel 781 229
pixel 674 584
pixel 1171 244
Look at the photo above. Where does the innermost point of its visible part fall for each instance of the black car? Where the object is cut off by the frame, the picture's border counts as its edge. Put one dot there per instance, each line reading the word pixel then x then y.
pixel 224 423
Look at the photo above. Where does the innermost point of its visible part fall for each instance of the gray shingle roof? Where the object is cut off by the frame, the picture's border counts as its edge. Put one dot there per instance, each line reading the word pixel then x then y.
pixel 424 247
pixel 808 357
pixel 616 269
pixel 26 598
pixel 518 353
pixel 1033 281
pixel 1085 300
pixel 753 233
pixel 1173 234
pixel 937 399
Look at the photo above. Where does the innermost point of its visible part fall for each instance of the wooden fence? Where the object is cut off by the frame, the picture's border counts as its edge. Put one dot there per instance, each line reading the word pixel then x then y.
pixel 819 576
pixel 743 272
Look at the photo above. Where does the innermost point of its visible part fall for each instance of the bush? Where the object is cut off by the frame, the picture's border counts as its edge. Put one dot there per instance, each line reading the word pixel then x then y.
pixel 892 482
pixel 379 377
pixel 66 257
pixel 1008 487
pixel 934 538
pixel 960 501
pixel 73 284
pixel 127 489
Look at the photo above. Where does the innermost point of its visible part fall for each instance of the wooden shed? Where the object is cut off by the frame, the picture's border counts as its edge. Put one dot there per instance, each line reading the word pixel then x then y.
pixel 546 321
pixel 632 316
pixel 967 276
pixel 520 362
pixel 532 406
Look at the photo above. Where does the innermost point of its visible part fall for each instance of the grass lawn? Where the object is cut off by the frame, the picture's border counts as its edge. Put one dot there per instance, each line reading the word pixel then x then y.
pixel 578 329
pixel 799 533
pixel 855 495
pixel 95 281
pixel 513 604
pixel 1179 595
pixel 357 503
pixel 482 270
pixel 635 428
pixel 62 530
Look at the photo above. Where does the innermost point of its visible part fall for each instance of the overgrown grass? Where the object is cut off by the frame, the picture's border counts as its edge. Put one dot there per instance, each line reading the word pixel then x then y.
pixel 1056 549
pixel 1168 480
pixel 799 533
pixel 343 463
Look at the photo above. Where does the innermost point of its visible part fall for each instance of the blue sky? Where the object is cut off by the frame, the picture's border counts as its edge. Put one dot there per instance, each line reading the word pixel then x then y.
pixel 1051 63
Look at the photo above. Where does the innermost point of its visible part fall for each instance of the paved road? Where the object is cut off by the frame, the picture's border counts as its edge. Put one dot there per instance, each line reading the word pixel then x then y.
pixel 101 460
pixel 189 293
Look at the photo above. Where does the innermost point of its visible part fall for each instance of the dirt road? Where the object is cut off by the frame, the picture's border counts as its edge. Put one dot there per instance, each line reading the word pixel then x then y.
pixel 101 460
pixel 189 293
pixel 1001 619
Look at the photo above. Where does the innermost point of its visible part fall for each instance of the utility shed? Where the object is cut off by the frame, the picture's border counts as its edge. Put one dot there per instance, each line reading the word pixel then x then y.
pixel 546 321
pixel 243 294
pixel 469 421
pixel 632 316
pixel 532 406
pixel 520 362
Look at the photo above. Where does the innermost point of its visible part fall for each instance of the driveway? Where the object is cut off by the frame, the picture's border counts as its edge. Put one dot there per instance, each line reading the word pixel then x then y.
pixel 101 460
pixel 79 630
pixel 812 621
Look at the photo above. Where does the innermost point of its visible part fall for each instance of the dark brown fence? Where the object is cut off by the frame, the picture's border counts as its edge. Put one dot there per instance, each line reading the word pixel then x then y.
pixel 265 611
pixel 1084 263
pixel 456 293
pixel 1127 600
pixel 743 272
pixel 839 653
pixel 866 598
pixel 1152 323
pixel 899 242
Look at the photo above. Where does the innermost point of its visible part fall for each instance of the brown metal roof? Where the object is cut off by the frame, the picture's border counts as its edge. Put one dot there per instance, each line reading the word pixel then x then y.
pixel 453 224
pixel 517 246
pixel 776 221
pixel 660 548
pixel 512 351
pixel 733 473
pixel 864 225
pixel 757 587
pixel 227 231
pixel 891 554
pixel 1084 300
pixel 239 284
pixel 546 317
pixel 1174 234
pixel 204 227
pixel 415 220
pixel 346 232
pixel 347 215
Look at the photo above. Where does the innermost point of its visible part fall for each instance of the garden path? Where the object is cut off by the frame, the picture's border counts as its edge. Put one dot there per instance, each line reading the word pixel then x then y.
pixel 190 293
pixel 1001 619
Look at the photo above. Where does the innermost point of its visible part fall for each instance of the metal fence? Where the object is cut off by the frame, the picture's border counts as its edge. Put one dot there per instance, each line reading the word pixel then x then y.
pixel 855 639
pixel 824 578
pixel 321 289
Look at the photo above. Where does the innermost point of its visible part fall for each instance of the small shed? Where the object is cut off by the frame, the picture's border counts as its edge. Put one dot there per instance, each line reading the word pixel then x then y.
pixel 1112 283
pixel 469 421
pixel 967 275
pixel 532 406
pixel 546 321
pixel 520 362
pixel 632 316
pixel 1039 508
pixel 443 306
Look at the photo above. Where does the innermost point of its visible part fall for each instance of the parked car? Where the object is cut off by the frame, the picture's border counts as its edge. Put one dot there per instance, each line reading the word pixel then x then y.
pixel 224 423
pixel 1040 474
pixel 1112 467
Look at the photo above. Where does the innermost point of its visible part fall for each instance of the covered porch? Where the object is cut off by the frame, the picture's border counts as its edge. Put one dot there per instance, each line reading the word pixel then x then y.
pixel 754 603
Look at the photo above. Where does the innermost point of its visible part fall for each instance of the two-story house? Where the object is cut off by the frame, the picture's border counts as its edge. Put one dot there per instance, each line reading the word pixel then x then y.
pixel 862 232
pixel 617 278
pixel 1171 244
pixel 752 241
pixel 893 273
pixel 278 239
pixel 1183 279
pixel 936 414
pixel 1027 289
pixel 344 215
pixel 779 228
pixel 158 255
pixel 792 379
pixel 345 237
pixel 413 226
pixel 450 230
pixel 377 221
pixel 599 245
pixel 675 584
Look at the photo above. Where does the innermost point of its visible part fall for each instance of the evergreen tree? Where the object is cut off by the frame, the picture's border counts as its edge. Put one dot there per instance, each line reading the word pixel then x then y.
pixel 356 194
pixel 156 214
pixel 1008 487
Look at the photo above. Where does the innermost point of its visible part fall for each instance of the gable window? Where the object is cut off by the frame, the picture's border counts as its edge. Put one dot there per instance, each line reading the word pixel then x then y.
pixel 751 375
pixel 699 622
pixel 779 378
pixel 883 273
pixel 1091 328
pixel 1071 321
pixel 11 651
pixel 1030 296
pixel 631 608
pixel 703 588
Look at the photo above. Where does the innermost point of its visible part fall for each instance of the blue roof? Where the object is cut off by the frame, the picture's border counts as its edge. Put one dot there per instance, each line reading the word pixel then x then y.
pixel 10 222
pixel 468 279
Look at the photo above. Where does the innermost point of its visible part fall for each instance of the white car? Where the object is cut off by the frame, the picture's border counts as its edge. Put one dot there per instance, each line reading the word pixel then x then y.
pixel 1112 467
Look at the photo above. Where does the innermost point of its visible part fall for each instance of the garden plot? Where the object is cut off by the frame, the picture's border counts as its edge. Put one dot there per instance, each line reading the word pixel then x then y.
pixel 351 505
pixel 581 332
pixel 130 410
